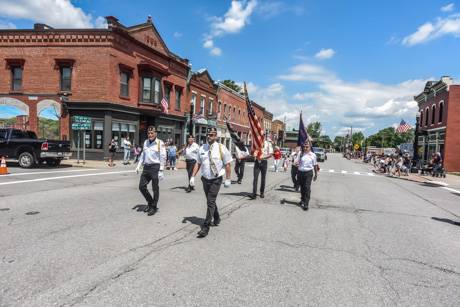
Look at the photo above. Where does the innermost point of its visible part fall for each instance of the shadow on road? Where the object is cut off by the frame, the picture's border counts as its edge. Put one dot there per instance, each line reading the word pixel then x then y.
pixel 140 208
pixel 286 190
pixel 178 188
pixel 244 194
pixel 40 166
pixel 194 220
pixel 448 221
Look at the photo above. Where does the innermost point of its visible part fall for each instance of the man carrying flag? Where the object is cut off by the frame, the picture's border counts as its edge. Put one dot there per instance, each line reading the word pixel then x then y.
pixel 260 148
pixel 242 152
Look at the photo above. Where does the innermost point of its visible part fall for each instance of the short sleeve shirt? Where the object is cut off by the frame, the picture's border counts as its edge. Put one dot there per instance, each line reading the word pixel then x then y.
pixel 307 161
pixel 219 160
pixel 191 152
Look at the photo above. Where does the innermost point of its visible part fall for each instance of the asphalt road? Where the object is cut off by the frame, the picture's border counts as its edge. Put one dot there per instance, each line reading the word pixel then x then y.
pixel 70 237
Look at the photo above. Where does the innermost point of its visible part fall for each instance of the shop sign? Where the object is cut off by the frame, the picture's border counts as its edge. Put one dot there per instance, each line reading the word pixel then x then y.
pixel 81 123
pixel 212 122
pixel 201 121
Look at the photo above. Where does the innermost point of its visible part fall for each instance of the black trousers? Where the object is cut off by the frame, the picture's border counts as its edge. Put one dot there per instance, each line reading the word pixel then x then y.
pixel 239 169
pixel 305 179
pixel 211 188
pixel 190 164
pixel 295 175
pixel 150 173
pixel 260 167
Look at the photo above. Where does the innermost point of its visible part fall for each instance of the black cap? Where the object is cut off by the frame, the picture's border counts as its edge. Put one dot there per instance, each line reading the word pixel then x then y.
pixel 211 130
pixel 151 128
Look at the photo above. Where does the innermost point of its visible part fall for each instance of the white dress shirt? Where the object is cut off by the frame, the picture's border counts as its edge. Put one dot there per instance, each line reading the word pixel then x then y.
pixel 267 150
pixel 154 153
pixel 191 151
pixel 219 161
pixel 307 161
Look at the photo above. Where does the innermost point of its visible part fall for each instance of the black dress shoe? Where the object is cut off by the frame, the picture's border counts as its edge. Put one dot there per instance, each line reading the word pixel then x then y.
pixel 203 232
pixel 239 181
pixel 262 195
pixel 216 222
pixel 252 196
pixel 188 190
pixel 147 208
pixel 152 211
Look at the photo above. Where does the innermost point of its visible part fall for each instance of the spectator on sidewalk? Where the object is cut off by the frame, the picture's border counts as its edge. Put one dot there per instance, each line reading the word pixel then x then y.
pixel 277 157
pixel 126 145
pixel 113 146
pixel 137 153
pixel 172 152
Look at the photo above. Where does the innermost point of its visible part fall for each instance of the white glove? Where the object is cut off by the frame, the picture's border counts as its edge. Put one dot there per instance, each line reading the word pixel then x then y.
pixel 227 183
pixel 192 181
pixel 161 175
pixel 138 168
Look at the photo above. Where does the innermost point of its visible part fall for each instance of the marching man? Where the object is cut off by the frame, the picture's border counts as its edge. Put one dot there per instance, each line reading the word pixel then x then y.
pixel 152 160
pixel 214 160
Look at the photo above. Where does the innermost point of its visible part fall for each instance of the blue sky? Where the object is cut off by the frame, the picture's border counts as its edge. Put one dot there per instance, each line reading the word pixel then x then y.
pixel 342 63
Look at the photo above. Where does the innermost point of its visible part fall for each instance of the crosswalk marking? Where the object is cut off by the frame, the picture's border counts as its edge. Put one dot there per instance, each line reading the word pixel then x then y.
pixel 344 172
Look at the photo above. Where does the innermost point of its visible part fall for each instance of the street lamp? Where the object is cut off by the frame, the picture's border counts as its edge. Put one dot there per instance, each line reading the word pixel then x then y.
pixel 416 157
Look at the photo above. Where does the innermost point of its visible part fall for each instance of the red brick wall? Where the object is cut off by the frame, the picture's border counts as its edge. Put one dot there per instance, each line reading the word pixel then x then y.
pixel 230 99
pixel 443 96
pixel 452 143
pixel 201 85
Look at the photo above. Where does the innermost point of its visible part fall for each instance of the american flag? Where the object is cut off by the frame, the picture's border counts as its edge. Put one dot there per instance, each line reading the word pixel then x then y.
pixel 164 104
pixel 403 127
pixel 256 129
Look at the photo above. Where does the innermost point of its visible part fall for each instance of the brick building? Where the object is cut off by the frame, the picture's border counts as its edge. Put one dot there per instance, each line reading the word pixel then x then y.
pixel 278 129
pixel 439 122
pixel 116 76
pixel 202 96
pixel 232 105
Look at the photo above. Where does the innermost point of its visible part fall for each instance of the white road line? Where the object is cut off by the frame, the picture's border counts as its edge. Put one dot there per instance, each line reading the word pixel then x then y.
pixel 51 172
pixel 344 172
pixel 63 177
pixel 451 190
pixel 370 174
pixel 331 171
pixel 356 173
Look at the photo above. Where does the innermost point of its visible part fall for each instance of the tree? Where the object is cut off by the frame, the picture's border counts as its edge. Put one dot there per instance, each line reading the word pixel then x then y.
pixel 324 141
pixel 389 138
pixel 314 130
pixel 231 84
pixel 339 142
pixel 357 138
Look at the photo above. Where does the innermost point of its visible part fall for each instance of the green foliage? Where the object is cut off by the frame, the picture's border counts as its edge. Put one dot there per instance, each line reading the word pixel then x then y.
pixel 357 138
pixel 231 84
pixel 339 142
pixel 389 138
pixel 314 130
pixel 324 141
pixel 48 128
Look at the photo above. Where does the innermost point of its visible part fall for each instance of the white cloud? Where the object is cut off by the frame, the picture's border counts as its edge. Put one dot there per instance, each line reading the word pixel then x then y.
pixel 55 13
pixel 448 8
pixel 7 25
pixel 234 20
pixel 177 34
pixel 339 104
pixel 216 51
pixel 430 31
pixel 324 54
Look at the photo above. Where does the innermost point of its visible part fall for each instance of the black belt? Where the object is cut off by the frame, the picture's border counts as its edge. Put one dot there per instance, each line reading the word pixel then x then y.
pixel 213 179
pixel 151 165
pixel 190 160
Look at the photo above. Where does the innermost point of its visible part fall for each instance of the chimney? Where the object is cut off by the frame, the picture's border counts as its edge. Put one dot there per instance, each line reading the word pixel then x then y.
pixel 447 80
pixel 149 19
pixel 111 21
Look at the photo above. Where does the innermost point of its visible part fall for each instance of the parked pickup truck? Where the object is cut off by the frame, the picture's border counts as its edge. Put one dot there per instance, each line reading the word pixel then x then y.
pixel 25 147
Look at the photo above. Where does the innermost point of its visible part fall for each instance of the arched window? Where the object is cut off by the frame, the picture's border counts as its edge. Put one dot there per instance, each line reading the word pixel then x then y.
pixel 427 111
pixel 441 111
pixel 421 119
pixel 433 114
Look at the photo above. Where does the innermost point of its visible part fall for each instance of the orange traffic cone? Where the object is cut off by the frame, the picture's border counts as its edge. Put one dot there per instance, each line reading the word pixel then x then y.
pixel 3 168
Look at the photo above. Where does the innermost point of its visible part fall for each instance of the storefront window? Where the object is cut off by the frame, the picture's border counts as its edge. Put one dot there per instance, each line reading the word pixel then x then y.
pixel 91 139
pixel 121 131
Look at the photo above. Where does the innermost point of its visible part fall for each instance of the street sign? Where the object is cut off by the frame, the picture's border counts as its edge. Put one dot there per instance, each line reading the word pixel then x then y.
pixel 81 123
pixel 356 146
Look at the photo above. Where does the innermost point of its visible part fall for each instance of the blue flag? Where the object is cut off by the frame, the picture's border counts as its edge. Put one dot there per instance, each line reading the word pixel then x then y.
pixel 303 134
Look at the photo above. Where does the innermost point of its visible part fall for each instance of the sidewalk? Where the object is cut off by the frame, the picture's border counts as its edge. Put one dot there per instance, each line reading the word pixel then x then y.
pixel 452 181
